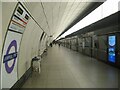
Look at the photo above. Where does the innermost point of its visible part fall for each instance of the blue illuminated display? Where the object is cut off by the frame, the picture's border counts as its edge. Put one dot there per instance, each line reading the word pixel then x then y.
pixel 111 50
pixel 112 40
pixel 112 55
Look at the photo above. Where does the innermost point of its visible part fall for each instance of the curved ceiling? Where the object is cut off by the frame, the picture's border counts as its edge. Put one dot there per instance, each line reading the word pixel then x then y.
pixel 55 17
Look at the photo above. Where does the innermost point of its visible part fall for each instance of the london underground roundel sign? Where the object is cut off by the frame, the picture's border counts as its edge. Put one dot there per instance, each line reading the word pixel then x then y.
pixel 10 56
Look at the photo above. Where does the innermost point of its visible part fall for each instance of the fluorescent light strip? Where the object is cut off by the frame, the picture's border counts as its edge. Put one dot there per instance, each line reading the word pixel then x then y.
pixel 107 8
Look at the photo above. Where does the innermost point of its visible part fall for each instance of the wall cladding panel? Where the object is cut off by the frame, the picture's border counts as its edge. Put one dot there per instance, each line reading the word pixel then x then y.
pixel 26 48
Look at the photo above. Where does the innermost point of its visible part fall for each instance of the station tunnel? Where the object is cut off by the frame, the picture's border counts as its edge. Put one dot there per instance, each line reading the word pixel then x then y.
pixel 60 44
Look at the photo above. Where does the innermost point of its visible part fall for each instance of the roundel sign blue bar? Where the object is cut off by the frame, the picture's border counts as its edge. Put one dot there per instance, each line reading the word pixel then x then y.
pixel 10 56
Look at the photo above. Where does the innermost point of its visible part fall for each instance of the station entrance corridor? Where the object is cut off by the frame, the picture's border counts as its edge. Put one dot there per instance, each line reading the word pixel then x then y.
pixel 64 68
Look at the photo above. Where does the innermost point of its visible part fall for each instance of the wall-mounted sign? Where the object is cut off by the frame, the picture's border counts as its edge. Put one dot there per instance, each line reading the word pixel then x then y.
pixel 19 20
pixel 10 53
pixel 10 56
pixel 111 49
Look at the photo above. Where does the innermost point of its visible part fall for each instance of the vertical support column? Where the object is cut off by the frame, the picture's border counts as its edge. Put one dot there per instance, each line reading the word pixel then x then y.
pixel 118 49
pixel 118 42
pixel 77 43
pixel 0 39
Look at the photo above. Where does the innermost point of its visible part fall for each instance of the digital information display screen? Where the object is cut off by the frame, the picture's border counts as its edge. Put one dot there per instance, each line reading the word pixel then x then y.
pixel 111 50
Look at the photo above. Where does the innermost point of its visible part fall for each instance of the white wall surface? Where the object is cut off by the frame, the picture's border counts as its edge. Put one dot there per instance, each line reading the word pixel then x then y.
pixel 30 41
pixel 7 10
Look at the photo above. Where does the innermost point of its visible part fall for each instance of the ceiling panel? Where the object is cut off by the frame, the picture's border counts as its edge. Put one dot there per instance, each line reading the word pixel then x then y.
pixel 54 17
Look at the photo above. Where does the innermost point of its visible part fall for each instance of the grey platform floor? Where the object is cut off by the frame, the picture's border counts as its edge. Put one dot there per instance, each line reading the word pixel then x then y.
pixel 64 68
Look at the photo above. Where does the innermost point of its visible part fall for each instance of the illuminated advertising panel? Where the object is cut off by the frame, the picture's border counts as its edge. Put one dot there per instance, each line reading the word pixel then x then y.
pixel 111 49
